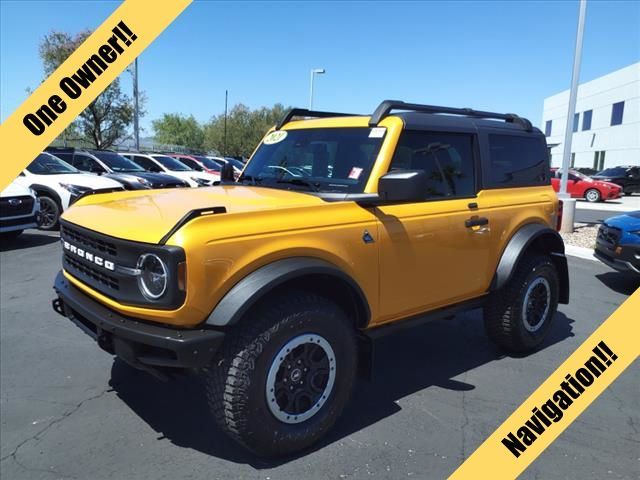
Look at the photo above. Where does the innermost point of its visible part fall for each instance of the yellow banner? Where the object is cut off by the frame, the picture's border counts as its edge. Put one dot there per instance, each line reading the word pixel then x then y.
pixel 80 79
pixel 560 399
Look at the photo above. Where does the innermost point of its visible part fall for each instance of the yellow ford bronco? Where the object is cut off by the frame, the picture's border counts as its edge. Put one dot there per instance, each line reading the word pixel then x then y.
pixel 341 228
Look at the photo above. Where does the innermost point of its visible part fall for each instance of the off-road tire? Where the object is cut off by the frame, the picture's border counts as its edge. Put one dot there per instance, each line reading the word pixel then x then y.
pixel 593 195
pixel 237 379
pixel 503 314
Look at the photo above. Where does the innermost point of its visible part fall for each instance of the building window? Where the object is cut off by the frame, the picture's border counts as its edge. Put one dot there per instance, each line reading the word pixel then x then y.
pixel 616 113
pixel 598 160
pixel 547 128
pixel 573 159
pixel 586 120
pixel 576 121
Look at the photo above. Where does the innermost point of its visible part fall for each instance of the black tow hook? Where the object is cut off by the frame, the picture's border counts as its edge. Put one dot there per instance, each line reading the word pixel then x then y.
pixel 58 306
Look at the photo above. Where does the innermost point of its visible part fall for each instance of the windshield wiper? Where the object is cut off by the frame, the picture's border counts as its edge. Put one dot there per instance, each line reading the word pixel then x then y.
pixel 298 181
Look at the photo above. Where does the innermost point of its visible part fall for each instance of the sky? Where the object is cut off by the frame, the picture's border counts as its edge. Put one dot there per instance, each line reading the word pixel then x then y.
pixel 500 56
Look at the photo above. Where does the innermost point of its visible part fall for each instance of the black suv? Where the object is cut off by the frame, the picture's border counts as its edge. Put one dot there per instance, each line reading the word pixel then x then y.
pixel 112 165
pixel 628 177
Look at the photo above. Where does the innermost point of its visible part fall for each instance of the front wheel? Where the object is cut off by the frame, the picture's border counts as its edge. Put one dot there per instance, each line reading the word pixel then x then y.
pixel 49 213
pixel 284 375
pixel 519 316
pixel 592 195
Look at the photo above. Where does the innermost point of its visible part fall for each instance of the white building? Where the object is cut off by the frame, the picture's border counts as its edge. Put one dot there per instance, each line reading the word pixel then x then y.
pixel 606 125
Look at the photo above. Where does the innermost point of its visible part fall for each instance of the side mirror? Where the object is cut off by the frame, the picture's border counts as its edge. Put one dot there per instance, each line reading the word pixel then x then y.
pixel 227 173
pixel 403 186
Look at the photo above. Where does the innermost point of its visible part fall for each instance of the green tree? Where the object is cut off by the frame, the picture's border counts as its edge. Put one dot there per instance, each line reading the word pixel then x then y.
pixel 176 129
pixel 107 119
pixel 245 129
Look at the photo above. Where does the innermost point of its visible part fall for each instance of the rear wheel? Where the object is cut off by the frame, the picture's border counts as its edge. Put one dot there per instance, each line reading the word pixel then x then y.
pixel 284 375
pixel 49 213
pixel 592 195
pixel 519 316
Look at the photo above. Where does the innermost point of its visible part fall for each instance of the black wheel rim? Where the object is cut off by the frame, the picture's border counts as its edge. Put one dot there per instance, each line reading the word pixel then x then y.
pixel 301 378
pixel 48 213
pixel 536 304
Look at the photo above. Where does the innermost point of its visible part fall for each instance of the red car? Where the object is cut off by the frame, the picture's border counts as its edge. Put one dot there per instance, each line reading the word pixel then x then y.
pixel 581 186
pixel 198 163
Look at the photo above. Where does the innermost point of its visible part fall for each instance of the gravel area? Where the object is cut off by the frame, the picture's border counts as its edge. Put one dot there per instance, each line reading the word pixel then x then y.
pixel 584 235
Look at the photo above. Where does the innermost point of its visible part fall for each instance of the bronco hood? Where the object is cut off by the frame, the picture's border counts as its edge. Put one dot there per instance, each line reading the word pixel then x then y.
pixel 147 216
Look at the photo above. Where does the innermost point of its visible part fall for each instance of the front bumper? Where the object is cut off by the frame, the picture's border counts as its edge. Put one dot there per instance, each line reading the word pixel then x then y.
pixel 20 223
pixel 624 261
pixel 141 344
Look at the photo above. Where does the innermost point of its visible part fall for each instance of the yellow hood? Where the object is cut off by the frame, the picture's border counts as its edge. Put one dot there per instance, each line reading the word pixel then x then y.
pixel 147 216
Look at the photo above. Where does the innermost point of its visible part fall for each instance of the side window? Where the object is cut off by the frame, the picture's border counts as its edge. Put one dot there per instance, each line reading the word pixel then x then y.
pixel 516 160
pixel 67 157
pixel 144 162
pixel 86 164
pixel 446 157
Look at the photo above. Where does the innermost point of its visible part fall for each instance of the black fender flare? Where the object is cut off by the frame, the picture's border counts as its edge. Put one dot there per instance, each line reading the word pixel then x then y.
pixel 244 294
pixel 541 238
pixel 50 192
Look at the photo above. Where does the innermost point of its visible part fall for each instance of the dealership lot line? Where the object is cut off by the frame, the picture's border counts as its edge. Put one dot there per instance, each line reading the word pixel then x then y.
pixel 627 203
pixel 67 410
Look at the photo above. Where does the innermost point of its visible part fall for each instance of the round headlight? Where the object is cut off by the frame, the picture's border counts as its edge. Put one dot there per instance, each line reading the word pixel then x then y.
pixel 153 277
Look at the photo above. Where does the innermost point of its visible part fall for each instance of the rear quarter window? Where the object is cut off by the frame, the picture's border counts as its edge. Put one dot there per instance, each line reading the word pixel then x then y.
pixel 516 161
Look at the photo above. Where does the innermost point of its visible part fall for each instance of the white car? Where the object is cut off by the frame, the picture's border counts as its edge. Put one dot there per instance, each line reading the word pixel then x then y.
pixel 152 162
pixel 57 184
pixel 19 209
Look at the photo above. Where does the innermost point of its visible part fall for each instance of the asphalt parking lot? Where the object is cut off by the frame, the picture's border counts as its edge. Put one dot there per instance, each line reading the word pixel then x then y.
pixel 69 411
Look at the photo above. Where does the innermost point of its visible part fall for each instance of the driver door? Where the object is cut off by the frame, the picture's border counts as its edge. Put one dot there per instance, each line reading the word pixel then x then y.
pixel 437 251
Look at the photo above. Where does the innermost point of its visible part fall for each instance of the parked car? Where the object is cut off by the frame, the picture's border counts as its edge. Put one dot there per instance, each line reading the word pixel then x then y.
pixel 113 165
pixel 237 165
pixel 58 184
pixel 627 177
pixel 153 162
pixel 19 209
pixel 275 289
pixel 618 242
pixel 199 163
pixel 581 186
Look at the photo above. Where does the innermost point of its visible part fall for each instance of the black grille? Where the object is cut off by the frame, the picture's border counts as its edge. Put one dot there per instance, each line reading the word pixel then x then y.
pixel 13 206
pixel 100 277
pixel 610 235
pixel 79 238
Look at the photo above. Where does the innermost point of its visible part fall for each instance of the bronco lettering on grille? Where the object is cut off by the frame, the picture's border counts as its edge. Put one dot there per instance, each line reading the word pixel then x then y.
pixel 90 257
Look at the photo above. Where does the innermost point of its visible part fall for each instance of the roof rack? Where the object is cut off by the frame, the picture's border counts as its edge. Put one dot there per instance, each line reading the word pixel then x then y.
pixel 303 112
pixel 386 106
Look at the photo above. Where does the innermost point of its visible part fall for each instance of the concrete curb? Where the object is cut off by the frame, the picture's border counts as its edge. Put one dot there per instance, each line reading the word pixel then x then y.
pixel 580 252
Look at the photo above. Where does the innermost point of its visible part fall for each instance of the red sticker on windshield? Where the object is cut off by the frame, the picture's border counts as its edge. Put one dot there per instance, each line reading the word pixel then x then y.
pixel 355 173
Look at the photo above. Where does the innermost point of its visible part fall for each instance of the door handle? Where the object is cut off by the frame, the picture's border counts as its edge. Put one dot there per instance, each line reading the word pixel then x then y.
pixel 476 222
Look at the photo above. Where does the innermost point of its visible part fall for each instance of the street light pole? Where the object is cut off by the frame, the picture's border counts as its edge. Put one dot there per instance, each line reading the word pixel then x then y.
pixel 136 107
pixel 319 71
pixel 226 97
pixel 569 204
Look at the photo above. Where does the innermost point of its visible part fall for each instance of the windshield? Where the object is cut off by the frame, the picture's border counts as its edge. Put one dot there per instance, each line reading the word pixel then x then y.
pixel 574 173
pixel 172 164
pixel 612 172
pixel 118 163
pixel 318 159
pixel 46 164
pixel 208 163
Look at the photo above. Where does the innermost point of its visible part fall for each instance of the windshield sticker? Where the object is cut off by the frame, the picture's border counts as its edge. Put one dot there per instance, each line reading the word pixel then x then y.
pixel 377 132
pixel 275 137
pixel 355 173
